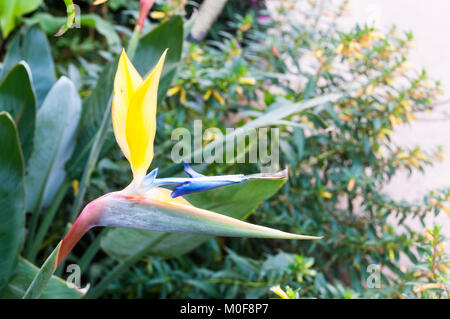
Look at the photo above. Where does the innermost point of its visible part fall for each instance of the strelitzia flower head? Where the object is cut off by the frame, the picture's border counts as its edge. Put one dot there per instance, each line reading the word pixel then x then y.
pixel 134 115
pixel 144 204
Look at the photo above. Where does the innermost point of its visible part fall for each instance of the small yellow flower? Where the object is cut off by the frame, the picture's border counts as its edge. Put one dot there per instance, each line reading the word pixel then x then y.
pixel 326 195
pixel 247 81
pixel 246 27
pixel 196 56
pixel 239 90
pixel 402 155
pixel 410 117
pixel 442 248
pixel 428 85
pixel 445 209
pixel 395 121
pixel 75 186
pixel 317 54
pixel 406 104
pixel 177 89
pixel 339 49
pixel 158 15
pixel 428 235
pixel 345 117
pixel 384 132
pixel 417 95
pixel 351 184
pixel 207 95
pixel 280 292
pixel 391 254
pixel 443 268
pixel 218 97
pixel 420 156
pixel 173 90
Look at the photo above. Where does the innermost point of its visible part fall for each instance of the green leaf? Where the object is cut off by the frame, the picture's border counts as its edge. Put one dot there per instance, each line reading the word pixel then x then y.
pixel 18 99
pixel 33 47
pixel 36 52
pixel 236 201
pixel 11 10
pixel 13 55
pixel 168 34
pixel 12 198
pixel 54 141
pixel 25 273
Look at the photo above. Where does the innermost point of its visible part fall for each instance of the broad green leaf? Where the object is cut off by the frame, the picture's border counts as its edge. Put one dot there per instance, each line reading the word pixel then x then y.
pixel 168 34
pixel 33 48
pixel 12 198
pixel 36 52
pixel 18 99
pixel 236 201
pixel 24 275
pixel 12 10
pixel 13 55
pixel 54 141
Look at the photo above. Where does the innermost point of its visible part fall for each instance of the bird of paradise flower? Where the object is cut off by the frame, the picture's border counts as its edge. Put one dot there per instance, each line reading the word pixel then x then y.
pixel 144 204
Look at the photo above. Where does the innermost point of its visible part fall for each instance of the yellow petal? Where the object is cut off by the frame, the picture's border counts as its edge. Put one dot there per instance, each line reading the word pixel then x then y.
pixel 141 122
pixel 126 82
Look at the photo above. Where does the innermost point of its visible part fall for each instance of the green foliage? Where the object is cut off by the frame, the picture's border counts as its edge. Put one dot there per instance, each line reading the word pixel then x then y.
pixel 18 99
pixel 31 45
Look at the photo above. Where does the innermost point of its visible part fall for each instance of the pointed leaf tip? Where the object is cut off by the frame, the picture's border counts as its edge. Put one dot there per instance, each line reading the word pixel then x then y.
pixel 159 212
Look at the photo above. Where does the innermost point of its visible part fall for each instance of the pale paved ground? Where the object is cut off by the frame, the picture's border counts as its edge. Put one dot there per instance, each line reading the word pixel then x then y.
pixel 430 22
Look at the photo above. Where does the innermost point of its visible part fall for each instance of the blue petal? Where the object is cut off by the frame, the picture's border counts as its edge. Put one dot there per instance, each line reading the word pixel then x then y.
pixel 150 178
pixel 188 169
pixel 201 185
